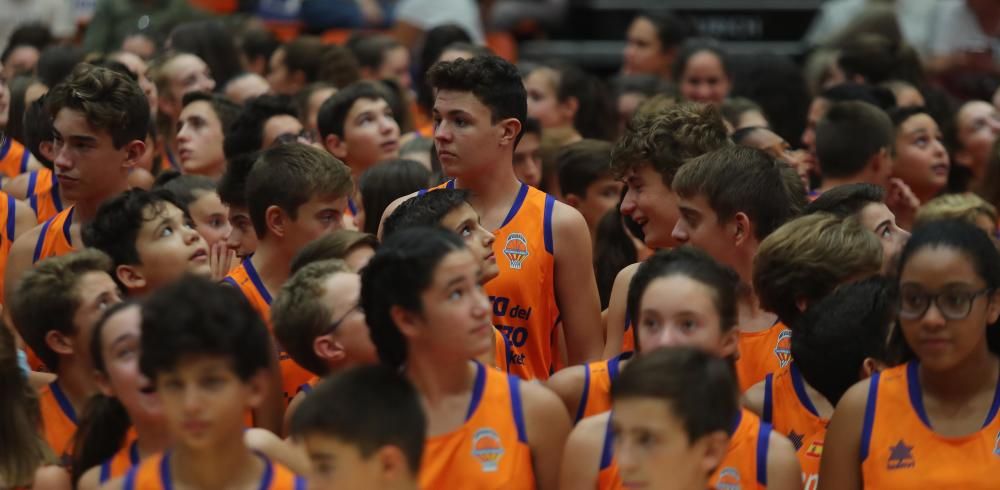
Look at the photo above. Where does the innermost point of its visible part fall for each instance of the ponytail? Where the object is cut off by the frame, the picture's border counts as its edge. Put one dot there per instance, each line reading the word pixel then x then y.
pixel 100 434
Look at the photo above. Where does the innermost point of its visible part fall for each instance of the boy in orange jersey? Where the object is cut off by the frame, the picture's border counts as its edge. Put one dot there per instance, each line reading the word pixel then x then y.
pixel 317 320
pixel 209 362
pixel 647 157
pixel 100 119
pixel 730 200
pixel 672 412
pixel 16 219
pixel 450 209
pixel 55 307
pixel 150 239
pixel 542 246
pixel 363 428
pixel 295 193
pixel 242 238
pixel 682 298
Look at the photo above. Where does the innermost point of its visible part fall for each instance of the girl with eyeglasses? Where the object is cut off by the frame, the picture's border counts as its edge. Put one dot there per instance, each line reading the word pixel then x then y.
pixel 930 422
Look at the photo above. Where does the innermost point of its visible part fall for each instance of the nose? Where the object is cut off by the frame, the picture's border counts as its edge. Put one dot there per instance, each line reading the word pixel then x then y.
pixel 442 132
pixel 488 238
pixel 183 135
pixel 62 159
pixel 482 305
pixel 680 232
pixel 386 125
pixel 234 239
pixel 933 319
pixel 627 207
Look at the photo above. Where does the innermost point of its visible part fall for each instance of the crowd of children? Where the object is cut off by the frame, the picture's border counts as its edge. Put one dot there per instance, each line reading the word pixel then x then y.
pixel 321 266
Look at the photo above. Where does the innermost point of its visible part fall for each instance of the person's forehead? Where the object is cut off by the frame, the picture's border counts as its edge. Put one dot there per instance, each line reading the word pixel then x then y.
pixel 367 104
pixel 449 100
pixel 200 107
pixel 72 122
pixel 874 214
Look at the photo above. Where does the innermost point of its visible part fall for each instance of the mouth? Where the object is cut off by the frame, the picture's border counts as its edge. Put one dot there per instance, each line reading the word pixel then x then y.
pixel 491 257
pixel 934 343
pixel 389 146
pixel 149 389
pixel 184 154
pixel 442 154
pixel 199 255
pixel 65 179
pixel 195 426
pixel 940 169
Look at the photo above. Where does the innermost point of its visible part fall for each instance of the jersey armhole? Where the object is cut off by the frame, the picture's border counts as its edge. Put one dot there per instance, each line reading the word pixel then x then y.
pixel 24 160
pixel 582 408
pixel 547 223
pixel 11 218
pixel 517 407
pixel 41 242
pixel 869 421
pixel 763 448
pixel 105 472
pixel 766 415
pixel 230 281
pixel 300 483
pixel 607 451
pixel 129 478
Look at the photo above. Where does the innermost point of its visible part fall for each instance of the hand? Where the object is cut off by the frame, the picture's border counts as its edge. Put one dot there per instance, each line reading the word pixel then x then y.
pixel 899 198
pixel 221 259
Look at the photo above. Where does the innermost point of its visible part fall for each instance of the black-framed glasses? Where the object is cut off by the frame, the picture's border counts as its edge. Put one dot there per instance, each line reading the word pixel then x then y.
pixel 333 326
pixel 953 305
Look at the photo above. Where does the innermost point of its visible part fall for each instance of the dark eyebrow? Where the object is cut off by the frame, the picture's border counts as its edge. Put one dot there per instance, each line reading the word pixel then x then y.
pixel 454 281
pixel 887 222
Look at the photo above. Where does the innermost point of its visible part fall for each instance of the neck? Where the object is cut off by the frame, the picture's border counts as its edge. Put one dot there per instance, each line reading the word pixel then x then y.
pixel 77 382
pixel 490 183
pixel 436 380
pixel 964 380
pixel 85 210
pixel 153 436
pixel 218 466
pixel 751 317
pixel 272 265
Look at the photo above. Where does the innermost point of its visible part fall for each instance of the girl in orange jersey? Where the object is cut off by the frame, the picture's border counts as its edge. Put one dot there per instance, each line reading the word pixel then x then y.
pixel 428 315
pixel 932 421
pixel 124 423
pixel 209 362
pixel 683 298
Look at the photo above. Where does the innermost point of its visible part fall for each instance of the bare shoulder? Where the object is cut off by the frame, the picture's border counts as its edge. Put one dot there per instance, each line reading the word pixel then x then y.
pixel 91 479
pixel 753 398
pixel 18 186
pixel 24 218
pixel 51 478
pixel 568 385
pixel 589 432
pixel 566 217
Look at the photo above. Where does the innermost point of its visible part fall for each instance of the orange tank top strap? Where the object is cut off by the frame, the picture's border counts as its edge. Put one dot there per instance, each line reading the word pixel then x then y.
pixel 608 477
pixel 762 352
pixel 119 464
pixel 502 350
pixel 745 463
pixel 900 449
pixel 628 341
pixel 55 238
pixel 46 203
pixel 58 419
pixel 13 157
pixel 40 181
pixel 154 474
pixel 787 406
pixel 597 379
pixel 446 185
pixel 308 386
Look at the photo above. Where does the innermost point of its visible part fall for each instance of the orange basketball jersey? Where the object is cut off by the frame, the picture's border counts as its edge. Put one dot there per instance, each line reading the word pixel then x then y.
pixel 809 456
pixel 628 341
pixel 55 238
pixel 58 419
pixel 122 461
pixel 900 450
pixel 154 474
pixel 43 195
pixel 609 478
pixel 789 410
pixel 597 378
pixel 14 157
pixel 8 219
pixel 763 352
pixel 501 350
pixel 246 279
pixel 523 295
pixel 490 450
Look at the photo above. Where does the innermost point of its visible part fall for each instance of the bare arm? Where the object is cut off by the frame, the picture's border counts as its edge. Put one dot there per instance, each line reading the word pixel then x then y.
pixel 18 186
pixel 91 479
pixel 285 452
pixel 576 287
pixel 19 260
pixel 783 471
pixel 51 478
pixel 753 399
pixel 840 466
pixel 547 426
pixel 24 219
pixel 568 386
pixel 581 459
pixel 617 307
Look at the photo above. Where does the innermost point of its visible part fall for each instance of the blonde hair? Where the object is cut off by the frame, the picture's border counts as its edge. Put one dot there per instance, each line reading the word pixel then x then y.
pixel 966 207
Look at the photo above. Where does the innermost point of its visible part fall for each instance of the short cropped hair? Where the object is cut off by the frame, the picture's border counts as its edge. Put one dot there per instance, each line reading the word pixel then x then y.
pixel 333 113
pixel 368 407
pixel 494 81
pixel 810 256
pixel 581 164
pixel 739 179
pixel 370 49
pixel 303 54
pixel 849 135
pixel 108 100
pixel 299 314
pixel 47 298
pixel 334 245
pixel 232 185
pixel 699 388
pixel 246 133
pixel 38 129
pixel 116 226
pixel 226 110
pixel 831 340
pixel 216 320
pixel 846 200
pixel 426 210
pixel 965 207
pixel 667 139
pixel 288 176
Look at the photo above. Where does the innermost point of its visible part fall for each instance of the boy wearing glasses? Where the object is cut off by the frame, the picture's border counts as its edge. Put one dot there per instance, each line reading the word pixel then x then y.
pixel 317 320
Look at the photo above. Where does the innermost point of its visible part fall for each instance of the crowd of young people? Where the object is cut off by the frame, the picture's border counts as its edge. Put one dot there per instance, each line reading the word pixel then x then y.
pixel 319 273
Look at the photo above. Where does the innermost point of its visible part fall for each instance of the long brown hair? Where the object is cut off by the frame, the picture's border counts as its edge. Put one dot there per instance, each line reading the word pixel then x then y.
pixel 20 420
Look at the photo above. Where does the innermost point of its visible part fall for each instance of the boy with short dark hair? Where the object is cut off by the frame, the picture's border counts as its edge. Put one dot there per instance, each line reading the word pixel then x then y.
pixel 730 200
pixel 528 159
pixel 209 363
pixel 107 114
pixel 356 125
pixel 232 192
pixel 586 180
pixel 853 144
pixel 150 238
pixel 54 307
pixel 201 129
pixel 363 428
pixel 295 193
pixel 264 121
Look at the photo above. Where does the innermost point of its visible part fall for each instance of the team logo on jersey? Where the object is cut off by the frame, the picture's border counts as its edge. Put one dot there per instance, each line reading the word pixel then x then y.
pixel 729 479
pixel 900 456
pixel 516 250
pixel 815 449
pixel 487 448
pixel 783 348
